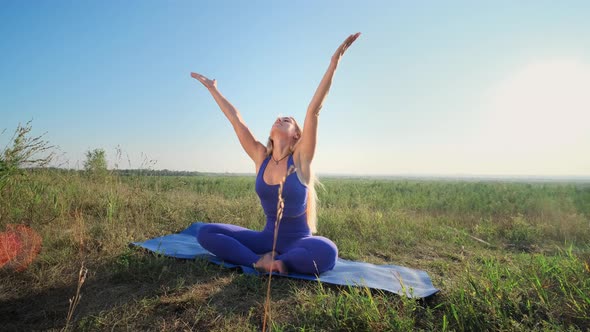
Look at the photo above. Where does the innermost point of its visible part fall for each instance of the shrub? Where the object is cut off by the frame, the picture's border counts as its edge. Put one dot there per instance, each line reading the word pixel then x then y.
pixel 96 161
pixel 25 151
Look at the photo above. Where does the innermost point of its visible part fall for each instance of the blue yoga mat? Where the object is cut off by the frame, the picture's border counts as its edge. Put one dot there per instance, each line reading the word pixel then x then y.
pixel 392 278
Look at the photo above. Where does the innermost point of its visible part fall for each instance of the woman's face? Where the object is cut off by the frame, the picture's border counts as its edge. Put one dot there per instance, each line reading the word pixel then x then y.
pixel 284 126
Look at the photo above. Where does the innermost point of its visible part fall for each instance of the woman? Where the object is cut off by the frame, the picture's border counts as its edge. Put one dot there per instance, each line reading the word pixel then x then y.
pixel 288 146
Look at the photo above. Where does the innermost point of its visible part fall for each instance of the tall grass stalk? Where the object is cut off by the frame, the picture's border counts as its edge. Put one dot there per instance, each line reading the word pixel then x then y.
pixel 280 208
pixel 74 301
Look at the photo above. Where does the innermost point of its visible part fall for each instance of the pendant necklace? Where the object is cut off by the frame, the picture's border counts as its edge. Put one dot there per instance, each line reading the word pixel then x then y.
pixel 277 161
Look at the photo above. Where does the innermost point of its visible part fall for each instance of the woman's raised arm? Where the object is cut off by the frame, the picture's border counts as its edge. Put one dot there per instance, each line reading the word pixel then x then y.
pixel 307 144
pixel 253 148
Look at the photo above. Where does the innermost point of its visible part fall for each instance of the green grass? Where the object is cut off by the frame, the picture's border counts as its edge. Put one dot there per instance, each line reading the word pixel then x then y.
pixel 506 256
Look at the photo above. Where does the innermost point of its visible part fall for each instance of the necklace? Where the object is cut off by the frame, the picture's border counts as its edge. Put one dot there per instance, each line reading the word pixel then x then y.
pixel 277 161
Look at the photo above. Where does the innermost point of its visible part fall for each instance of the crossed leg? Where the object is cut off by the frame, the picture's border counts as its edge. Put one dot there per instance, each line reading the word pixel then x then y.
pixel 233 243
pixel 309 255
pixel 239 245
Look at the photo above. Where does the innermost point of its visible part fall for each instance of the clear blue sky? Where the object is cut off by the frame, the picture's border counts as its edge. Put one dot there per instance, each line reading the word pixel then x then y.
pixel 430 87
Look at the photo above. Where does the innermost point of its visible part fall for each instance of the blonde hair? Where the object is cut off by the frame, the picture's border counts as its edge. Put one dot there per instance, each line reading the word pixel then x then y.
pixel 312 196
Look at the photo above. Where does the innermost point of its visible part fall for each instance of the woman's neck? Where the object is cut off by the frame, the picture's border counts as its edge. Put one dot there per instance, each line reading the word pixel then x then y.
pixel 280 150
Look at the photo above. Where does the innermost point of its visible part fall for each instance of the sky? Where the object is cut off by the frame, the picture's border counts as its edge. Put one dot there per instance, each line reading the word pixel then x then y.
pixel 491 88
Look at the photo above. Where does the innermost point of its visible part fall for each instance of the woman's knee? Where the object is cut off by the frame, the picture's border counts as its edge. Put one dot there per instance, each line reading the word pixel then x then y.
pixel 326 253
pixel 330 248
pixel 205 233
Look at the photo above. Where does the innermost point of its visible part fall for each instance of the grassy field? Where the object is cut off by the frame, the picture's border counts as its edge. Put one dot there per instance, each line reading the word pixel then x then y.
pixel 506 256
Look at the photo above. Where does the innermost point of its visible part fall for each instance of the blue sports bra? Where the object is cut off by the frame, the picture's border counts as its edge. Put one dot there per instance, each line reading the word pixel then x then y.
pixel 294 193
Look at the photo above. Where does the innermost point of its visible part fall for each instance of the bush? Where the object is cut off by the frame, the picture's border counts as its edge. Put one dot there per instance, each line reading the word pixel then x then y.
pixel 24 152
pixel 96 161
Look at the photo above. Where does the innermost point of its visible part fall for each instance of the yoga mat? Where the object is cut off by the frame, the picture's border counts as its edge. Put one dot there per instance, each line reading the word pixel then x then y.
pixel 392 278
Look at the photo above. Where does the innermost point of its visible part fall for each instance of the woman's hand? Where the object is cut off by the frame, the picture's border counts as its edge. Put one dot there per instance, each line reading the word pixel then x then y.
pixel 343 47
pixel 209 84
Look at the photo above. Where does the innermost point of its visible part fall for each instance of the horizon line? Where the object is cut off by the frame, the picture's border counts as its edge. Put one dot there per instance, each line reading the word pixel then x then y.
pixel 381 175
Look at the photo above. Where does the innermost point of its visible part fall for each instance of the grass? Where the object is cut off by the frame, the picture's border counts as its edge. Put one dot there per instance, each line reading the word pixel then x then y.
pixel 531 271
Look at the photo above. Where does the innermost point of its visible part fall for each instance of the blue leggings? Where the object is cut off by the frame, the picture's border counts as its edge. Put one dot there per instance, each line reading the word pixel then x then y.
pixel 302 254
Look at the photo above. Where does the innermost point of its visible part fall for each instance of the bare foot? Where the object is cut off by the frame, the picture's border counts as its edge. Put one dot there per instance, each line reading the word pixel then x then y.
pixel 264 263
pixel 267 264
pixel 272 254
pixel 279 266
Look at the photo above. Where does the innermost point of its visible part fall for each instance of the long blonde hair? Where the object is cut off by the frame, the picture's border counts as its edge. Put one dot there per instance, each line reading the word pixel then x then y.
pixel 312 196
